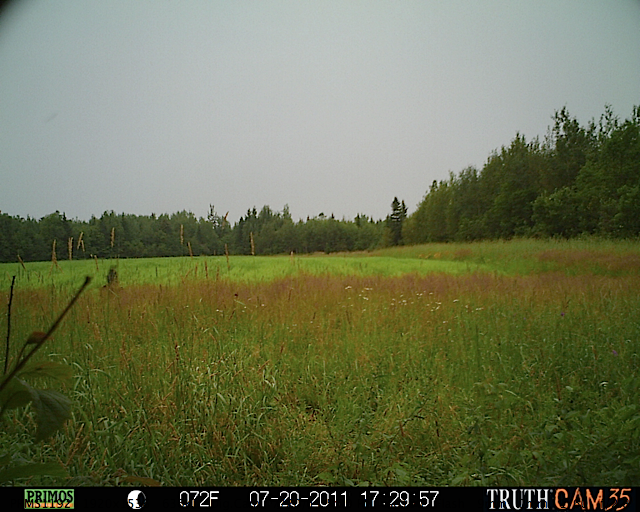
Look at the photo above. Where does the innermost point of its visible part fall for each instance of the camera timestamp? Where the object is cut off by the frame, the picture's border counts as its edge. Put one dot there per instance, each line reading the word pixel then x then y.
pixel 311 498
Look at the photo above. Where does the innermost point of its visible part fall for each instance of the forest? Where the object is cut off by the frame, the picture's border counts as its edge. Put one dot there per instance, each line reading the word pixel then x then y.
pixel 578 180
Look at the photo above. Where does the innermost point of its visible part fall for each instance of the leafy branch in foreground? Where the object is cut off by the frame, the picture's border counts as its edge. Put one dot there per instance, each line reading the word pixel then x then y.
pixel 52 408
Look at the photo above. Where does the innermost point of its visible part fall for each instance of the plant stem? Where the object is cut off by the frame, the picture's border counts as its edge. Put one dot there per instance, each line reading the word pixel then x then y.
pixel 48 334
pixel 6 356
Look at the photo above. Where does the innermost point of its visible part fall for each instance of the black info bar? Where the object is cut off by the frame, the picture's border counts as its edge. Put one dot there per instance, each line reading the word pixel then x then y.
pixel 610 499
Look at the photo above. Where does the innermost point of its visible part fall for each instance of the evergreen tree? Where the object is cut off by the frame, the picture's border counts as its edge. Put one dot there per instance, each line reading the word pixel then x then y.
pixel 395 221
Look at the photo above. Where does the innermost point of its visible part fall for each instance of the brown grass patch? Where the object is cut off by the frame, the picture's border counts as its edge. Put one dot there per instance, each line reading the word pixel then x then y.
pixel 593 260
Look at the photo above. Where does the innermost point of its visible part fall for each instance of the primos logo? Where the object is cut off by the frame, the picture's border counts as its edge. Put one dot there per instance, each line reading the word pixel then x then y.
pixel 48 498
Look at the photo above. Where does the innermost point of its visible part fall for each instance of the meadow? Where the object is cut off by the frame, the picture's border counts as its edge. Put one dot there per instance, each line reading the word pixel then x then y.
pixel 493 363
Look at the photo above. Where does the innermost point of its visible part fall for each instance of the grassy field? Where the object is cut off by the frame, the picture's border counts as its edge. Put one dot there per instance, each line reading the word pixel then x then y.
pixel 502 363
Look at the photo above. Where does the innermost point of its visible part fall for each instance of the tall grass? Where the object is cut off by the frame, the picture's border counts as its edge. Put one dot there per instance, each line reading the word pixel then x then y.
pixel 308 377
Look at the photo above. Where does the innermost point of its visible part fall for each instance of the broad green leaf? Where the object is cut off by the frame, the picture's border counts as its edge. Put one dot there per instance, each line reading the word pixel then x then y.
pixel 18 399
pixel 28 470
pixel 52 409
pixel 16 394
pixel 50 369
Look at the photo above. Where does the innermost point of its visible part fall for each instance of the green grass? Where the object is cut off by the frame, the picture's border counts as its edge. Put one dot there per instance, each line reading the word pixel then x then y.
pixel 248 269
pixel 391 368
pixel 515 257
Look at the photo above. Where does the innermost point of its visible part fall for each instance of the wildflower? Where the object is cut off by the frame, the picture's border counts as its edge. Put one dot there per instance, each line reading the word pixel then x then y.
pixel 614 353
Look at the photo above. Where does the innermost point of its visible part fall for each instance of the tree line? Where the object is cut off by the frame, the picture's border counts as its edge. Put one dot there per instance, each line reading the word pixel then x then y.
pixel 578 180
pixel 183 234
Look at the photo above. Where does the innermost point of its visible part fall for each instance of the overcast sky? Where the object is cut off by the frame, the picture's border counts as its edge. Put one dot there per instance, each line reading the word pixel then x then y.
pixel 327 106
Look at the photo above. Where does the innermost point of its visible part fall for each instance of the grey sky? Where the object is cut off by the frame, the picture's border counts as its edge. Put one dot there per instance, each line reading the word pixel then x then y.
pixel 329 106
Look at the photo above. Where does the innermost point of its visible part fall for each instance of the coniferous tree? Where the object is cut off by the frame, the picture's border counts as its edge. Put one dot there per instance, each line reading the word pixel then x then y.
pixel 395 221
